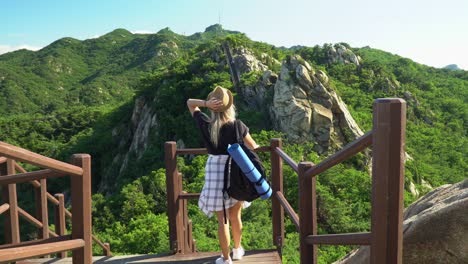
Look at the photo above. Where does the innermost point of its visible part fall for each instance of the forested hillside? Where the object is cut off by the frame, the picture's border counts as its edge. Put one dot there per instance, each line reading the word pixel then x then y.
pixel 121 96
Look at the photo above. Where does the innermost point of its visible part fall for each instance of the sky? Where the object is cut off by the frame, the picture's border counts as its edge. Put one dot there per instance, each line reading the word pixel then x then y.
pixel 430 32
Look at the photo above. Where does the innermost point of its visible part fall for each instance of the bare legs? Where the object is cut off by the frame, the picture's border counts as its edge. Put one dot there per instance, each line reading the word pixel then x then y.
pixel 234 216
pixel 236 223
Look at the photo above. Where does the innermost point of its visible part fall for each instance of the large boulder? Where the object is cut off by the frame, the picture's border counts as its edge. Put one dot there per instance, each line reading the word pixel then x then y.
pixel 435 229
pixel 305 108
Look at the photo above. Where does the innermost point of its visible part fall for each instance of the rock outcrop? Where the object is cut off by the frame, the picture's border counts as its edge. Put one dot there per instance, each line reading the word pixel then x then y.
pixel 338 53
pixel 133 140
pixel 255 94
pixel 435 229
pixel 307 109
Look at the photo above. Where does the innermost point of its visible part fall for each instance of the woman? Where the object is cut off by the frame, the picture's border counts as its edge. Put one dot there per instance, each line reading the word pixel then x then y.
pixel 217 132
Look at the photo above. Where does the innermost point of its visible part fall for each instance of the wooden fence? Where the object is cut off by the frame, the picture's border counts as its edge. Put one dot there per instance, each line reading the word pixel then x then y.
pixel 48 242
pixel 386 236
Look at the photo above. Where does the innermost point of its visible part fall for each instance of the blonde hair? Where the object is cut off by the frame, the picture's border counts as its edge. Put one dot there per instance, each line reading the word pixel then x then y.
pixel 218 119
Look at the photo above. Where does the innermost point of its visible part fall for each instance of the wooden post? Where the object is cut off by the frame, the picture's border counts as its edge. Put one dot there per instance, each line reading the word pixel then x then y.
pixel 186 228
pixel 174 214
pixel 60 226
pixel 107 251
pixel 11 224
pixel 277 186
pixel 387 181
pixel 44 210
pixel 307 214
pixel 81 208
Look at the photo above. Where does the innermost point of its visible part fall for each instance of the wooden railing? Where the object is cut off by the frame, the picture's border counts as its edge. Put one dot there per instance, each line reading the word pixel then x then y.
pixel 386 236
pixel 49 242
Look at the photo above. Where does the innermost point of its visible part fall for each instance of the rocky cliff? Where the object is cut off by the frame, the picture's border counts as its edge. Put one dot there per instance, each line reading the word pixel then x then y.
pixel 302 105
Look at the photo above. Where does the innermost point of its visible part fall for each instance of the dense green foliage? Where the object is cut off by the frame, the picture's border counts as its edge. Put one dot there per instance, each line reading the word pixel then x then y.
pixel 75 96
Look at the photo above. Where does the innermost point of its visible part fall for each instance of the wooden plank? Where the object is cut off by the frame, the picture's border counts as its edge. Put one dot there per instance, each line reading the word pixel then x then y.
pixel 30 176
pixel 25 252
pixel 348 151
pixel 27 156
pixel 277 210
pixel 340 239
pixel 2 160
pixel 252 256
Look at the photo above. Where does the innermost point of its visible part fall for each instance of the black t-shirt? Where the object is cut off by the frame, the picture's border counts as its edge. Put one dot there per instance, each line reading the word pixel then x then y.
pixel 227 134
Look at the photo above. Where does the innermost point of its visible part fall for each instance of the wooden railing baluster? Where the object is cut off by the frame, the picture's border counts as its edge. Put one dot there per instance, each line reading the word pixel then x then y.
pixel 60 224
pixel 277 210
pixel 10 197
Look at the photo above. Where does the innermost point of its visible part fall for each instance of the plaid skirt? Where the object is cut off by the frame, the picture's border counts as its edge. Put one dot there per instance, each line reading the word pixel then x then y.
pixel 211 196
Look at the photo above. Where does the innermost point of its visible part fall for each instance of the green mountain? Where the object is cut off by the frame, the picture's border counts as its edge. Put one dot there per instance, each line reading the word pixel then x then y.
pixel 104 70
pixel 452 67
pixel 119 97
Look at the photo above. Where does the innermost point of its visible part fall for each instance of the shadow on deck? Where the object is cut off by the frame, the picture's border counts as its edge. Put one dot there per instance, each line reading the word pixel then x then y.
pixel 253 256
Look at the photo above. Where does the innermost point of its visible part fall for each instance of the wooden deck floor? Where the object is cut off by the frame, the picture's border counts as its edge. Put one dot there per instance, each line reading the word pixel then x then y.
pixel 253 256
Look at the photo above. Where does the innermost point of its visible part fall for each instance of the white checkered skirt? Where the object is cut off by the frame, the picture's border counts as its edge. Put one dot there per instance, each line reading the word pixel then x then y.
pixel 211 196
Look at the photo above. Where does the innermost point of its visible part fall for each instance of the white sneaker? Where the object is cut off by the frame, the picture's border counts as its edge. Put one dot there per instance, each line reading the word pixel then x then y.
pixel 221 260
pixel 238 253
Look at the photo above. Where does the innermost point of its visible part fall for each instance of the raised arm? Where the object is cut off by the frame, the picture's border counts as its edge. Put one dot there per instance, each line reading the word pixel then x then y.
pixel 195 104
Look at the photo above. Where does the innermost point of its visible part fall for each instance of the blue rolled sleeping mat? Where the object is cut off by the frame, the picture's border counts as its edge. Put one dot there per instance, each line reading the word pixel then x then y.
pixel 248 168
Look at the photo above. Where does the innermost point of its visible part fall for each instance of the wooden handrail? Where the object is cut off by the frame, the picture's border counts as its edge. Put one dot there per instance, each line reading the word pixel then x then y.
pixel 340 239
pixel 4 207
pixel 30 176
pixel 189 151
pixel 25 252
pixel 286 158
pixel 189 195
pixel 348 151
pixel 192 151
pixel 37 242
pixel 288 208
pixel 27 156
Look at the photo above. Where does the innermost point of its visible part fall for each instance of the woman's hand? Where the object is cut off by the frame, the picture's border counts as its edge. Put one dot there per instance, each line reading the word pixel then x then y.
pixel 214 104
